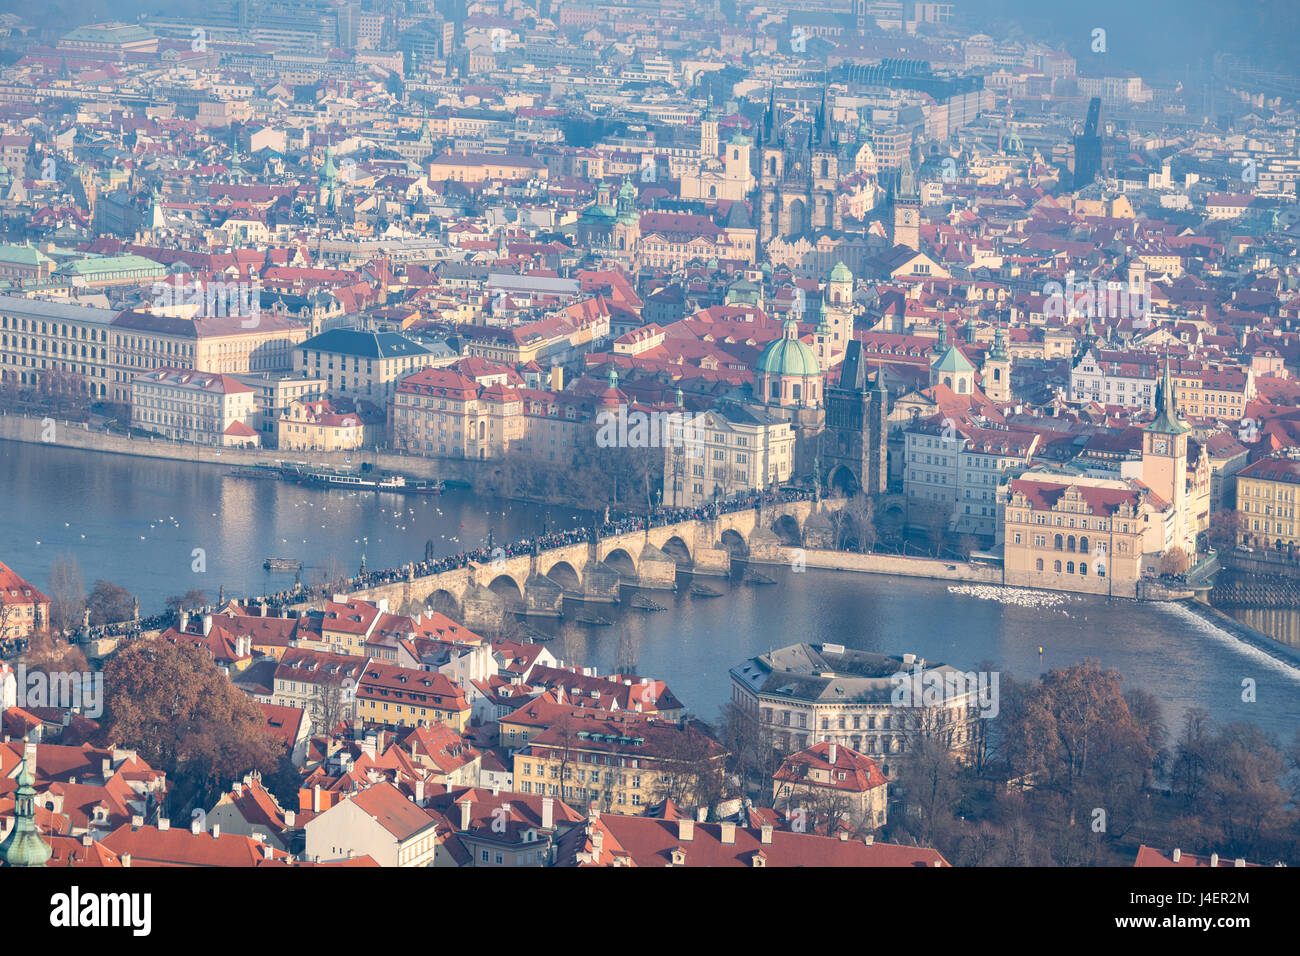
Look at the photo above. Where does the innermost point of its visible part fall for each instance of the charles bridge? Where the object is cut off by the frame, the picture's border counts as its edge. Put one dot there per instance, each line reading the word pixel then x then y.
pixel 594 570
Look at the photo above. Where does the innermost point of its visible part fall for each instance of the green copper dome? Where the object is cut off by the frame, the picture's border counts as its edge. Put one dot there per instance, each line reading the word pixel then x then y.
pixel 24 846
pixel 841 273
pixel 954 361
pixel 788 356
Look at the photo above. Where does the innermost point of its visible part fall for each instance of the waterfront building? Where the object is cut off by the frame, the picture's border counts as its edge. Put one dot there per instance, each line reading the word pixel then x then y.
pixel 962 467
pixel 1266 503
pixel 1073 533
pixel 198 407
pixel 805 694
pixel 325 425
pixel 38 337
pixel 23 609
pixel 723 452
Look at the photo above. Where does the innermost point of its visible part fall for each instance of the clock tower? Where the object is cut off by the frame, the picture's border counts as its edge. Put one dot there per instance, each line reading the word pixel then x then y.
pixel 1164 452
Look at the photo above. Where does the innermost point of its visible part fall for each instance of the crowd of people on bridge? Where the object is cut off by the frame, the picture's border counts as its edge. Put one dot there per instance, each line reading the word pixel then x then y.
pixel 368 578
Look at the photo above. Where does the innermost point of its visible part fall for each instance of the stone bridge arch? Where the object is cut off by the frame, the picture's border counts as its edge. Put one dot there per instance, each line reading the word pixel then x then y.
pixel 564 574
pixel 443 601
pixel 788 530
pixel 621 560
pixel 676 547
pixel 735 543
pixel 510 591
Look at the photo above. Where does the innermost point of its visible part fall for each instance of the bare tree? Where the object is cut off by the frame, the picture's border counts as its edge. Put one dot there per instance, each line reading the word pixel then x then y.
pixel 67 593
pixel 330 703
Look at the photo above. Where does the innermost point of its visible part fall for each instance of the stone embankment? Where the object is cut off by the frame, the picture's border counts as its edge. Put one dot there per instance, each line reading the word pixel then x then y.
pixel 59 433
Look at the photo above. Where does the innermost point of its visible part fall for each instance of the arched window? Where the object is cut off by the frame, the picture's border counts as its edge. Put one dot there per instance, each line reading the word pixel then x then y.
pixel 1059 541
pixel 1083 544
pixel 1038 565
pixel 1069 567
pixel 1069 543
pixel 1056 566
pixel 1083 569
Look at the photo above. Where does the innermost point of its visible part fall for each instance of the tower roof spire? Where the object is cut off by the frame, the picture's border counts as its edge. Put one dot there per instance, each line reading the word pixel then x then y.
pixel 1166 421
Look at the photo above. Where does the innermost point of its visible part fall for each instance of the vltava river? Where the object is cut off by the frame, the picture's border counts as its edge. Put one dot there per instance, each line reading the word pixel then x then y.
pixel 136 521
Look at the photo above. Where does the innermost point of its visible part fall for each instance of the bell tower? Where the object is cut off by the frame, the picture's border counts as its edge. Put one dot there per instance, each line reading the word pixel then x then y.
pixel 907 209
pixel 997 369
pixel 1164 451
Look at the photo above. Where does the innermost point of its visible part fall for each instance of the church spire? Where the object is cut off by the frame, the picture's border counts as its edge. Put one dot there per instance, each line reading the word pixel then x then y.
pixel 24 845
pixel 1166 421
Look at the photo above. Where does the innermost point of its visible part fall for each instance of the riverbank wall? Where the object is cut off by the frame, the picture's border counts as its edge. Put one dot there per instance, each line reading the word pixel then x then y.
pixel 906 567
pixel 57 432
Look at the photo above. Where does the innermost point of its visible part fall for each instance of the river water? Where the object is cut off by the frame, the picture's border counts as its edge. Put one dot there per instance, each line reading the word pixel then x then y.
pixel 137 521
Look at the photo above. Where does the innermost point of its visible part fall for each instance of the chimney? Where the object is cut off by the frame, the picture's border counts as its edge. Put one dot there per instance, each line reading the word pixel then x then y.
pixel 1177 854
pixel 685 829
pixel 196 825
pixel 267 851
pixel 728 834
pixel 125 859
pixel 830 755
pixel 289 818
pixel 185 621
pixel 216 831
pixel 137 822
pixel 765 833
pixel 701 814
pixel 419 792
pixel 869 839
pixel 1214 859
pixel 548 813
pixel 106 768
pixel 87 839
pixel 465 806
pixel 164 824
pixel 207 624
pixel 597 839
pixel 1239 861
pixel 938 863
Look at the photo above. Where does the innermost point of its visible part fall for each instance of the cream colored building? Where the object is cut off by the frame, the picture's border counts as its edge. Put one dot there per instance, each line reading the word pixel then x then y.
pixel 1079 534
pixel 723 452
pixel 315 425
pixel 144 340
pixel 198 407
pixel 360 364
pixel 38 336
pixel 809 694
pixel 1266 504
pixel 379 822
